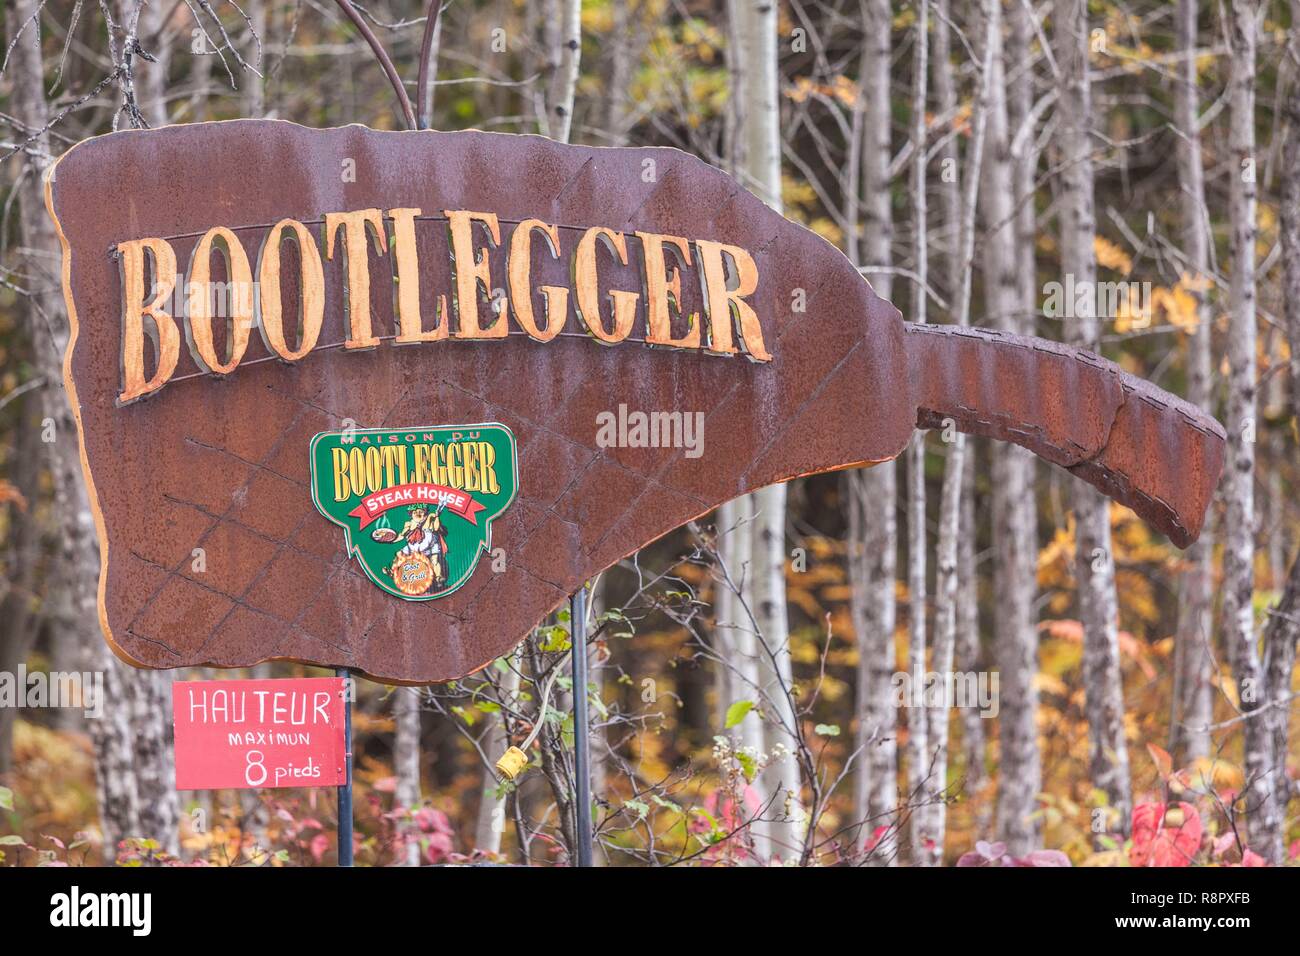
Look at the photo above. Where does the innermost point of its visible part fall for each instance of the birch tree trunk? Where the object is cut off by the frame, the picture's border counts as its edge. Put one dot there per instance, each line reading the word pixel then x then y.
pixel 1024 153
pixel 1193 651
pixel 1013 506
pixel 76 562
pixel 566 53
pixel 406 758
pixel 755 99
pixel 740 642
pixel 968 651
pixel 253 83
pixel 1280 635
pixel 1283 628
pixel 1263 821
pixel 1094 561
pixel 430 91
pixel 951 617
pixel 490 823
pixel 873 492
pixel 150 690
pixel 920 766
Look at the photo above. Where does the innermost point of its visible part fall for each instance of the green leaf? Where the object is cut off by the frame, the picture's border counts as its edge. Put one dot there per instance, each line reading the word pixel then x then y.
pixel 557 639
pixel 12 840
pixel 748 765
pixel 827 730
pixel 637 807
pixel 737 711
pixel 666 804
pixel 6 798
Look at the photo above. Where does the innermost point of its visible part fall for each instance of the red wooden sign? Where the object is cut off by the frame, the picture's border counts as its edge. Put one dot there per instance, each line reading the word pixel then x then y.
pixel 250 734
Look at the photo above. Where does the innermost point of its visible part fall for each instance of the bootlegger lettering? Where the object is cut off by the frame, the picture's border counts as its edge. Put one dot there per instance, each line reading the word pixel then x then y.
pixel 726 274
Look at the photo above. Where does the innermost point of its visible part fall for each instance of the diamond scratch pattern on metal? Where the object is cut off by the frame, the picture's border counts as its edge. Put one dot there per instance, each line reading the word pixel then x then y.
pixel 221 463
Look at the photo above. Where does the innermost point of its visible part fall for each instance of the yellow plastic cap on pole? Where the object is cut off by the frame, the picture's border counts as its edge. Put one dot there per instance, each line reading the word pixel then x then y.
pixel 512 763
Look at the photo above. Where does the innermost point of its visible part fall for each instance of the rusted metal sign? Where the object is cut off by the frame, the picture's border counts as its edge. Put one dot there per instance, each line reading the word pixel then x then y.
pixel 595 304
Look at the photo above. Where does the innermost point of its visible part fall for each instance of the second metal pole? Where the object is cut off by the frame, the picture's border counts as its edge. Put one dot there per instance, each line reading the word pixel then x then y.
pixel 581 727
pixel 345 791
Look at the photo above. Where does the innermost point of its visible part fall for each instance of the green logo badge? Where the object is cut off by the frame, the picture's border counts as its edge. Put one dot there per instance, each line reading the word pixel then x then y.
pixel 416 505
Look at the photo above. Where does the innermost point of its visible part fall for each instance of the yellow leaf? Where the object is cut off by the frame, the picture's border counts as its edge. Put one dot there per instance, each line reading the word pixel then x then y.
pixel 1181 308
pixel 1216 774
pixel 1111 256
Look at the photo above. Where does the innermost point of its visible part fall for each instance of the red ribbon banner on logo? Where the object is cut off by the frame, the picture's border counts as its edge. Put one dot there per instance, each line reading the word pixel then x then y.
pixel 375 504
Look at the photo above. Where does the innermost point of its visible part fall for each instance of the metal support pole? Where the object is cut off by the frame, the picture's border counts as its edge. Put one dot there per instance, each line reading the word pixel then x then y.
pixel 581 726
pixel 345 791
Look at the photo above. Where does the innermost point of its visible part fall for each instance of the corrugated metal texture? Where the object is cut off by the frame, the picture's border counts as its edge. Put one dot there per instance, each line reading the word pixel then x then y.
pixel 1140 445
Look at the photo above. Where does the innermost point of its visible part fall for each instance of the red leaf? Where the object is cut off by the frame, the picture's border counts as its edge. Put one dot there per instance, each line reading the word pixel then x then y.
pixel 873 841
pixel 319 844
pixel 1161 839
pixel 439 847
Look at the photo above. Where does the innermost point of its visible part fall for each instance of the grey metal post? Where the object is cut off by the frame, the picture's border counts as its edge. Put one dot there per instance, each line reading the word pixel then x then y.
pixel 345 791
pixel 581 726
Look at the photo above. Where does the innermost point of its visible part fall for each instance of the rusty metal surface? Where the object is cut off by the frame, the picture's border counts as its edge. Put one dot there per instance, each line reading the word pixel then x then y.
pixel 222 464
pixel 1141 446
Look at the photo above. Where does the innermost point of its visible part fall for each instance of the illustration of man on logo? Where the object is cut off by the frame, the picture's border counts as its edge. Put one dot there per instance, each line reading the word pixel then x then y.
pixel 425 545
pixel 449 481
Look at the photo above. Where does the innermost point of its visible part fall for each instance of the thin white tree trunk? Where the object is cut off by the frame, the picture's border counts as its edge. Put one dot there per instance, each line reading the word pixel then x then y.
pixel 735 625
pixel 1283 628
pixel 920 767
pixel 1094 560
pixel 149 690
pixel 1280 635
pixel 873 492
pixel 1263 816
pixel 951 617
pixel 77 559
pixel 969 652
pixel 1013 506
pixel 1020 95
pixel 1193 651
pixel 254 83
pixel 755 99
pixel 566 55
pixel 406 757
pixel 490 823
